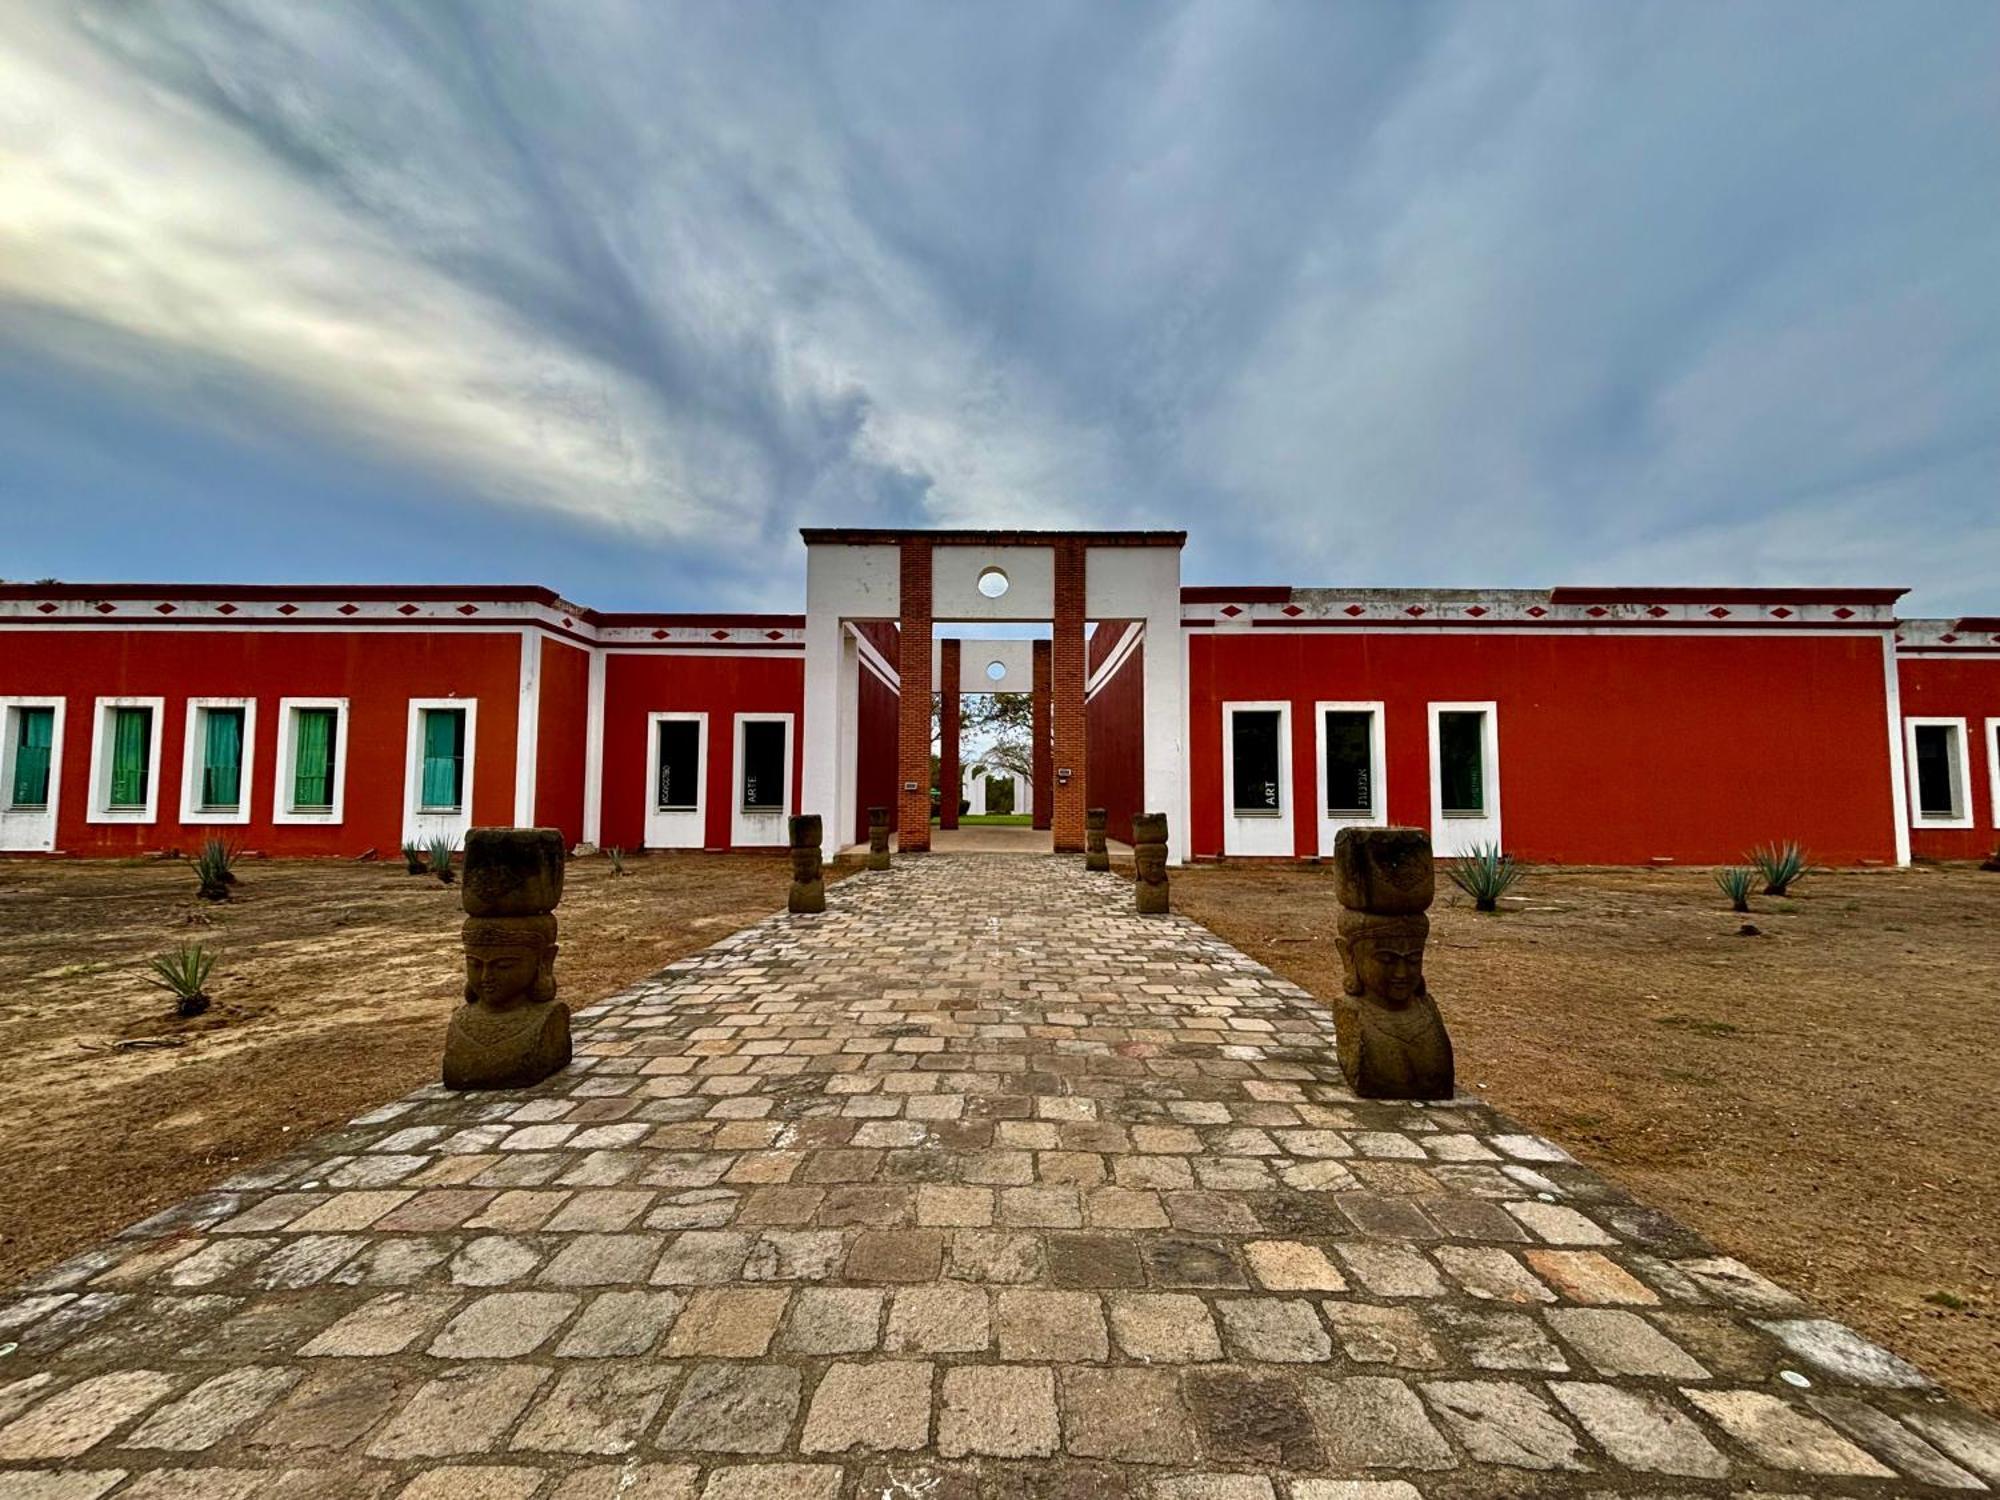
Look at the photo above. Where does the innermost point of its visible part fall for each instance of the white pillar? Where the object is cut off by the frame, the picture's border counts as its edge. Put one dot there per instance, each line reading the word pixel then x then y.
pixel 822 735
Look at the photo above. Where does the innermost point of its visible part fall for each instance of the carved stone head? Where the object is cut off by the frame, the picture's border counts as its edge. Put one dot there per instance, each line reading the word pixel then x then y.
pixel 509 961
pixel 1382 958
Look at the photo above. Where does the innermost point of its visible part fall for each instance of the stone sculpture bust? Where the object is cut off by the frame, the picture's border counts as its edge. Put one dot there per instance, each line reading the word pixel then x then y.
pixel 511 1031
pixel 1392 1040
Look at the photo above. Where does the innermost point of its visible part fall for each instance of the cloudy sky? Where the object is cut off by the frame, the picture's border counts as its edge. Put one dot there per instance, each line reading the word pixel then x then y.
pixel 613 295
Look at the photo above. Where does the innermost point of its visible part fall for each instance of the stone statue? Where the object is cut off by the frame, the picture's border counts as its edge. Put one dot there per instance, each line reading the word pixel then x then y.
pixel 511 1031
pixel 1392 1042
pixel 808 879
pixel 878 838
pixel 1149 855
pixel 1095 855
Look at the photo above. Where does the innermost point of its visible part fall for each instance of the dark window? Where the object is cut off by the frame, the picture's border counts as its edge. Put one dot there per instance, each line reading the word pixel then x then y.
pixel 764 765
pixel 1254 734
pixel 1462 763
pixel 680 765
pixel 1350 768
pixel 1937 776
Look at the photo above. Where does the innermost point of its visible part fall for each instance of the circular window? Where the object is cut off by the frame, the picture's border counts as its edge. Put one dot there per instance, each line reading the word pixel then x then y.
pixel 995 671
pixel 992 583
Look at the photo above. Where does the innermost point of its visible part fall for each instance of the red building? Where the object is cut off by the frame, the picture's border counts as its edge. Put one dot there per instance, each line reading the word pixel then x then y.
pixel 1571 725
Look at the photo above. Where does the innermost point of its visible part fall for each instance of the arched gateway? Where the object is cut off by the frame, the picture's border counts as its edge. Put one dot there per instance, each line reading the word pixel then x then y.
pixel 873 601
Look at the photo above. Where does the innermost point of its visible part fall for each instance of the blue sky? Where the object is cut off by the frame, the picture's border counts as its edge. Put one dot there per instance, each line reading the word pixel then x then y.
pixel 613 295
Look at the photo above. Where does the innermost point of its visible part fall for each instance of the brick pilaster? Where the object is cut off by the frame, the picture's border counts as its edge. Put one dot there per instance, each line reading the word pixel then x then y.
pixel 1041 775
pixel 913 727
pixel 948 706
pixel 1066 679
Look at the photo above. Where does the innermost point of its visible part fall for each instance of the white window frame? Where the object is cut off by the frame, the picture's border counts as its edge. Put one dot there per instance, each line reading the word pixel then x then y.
pixel 193 740
pixel 30 830
pixel 1961 768
pixel 1377 815
pixel 676 827
pixel 100 809
pixel 1258 833
pixel 753 830
pixel 285 773
pixel 1992 769
pixel 1453 836
pixel 422 824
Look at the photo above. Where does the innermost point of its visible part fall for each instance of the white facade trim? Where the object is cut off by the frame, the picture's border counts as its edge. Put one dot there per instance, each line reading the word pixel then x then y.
pixel 1899 796
pixel 593 751
pixel 1957 761
pixel 30 829
pixel 1257 833
pixel 528 729
pixel 1993 770
pixel 676 827
pixel 99 809
pixel 1376 814
pixel 193 742
pixel 761 829
pixel 285 777
pixel 422 824
pixel 1453 836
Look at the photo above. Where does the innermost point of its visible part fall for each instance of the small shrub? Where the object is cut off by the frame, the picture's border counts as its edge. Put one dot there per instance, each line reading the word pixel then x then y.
pixel 183 973
pixel 413 859
pixel 1485 874
pixel 616 853
pixel 1782 865
pixel 212 869
pixel 1734 883
pixel 442 853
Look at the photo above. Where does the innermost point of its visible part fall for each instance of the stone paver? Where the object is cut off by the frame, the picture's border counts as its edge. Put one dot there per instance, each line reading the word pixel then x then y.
pixel 976 1187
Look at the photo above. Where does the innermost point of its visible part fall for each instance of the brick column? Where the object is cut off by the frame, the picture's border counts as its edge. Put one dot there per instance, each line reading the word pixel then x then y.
pixel 913 726
pixel 1041 776
pixel 948 707
pixel 1066 679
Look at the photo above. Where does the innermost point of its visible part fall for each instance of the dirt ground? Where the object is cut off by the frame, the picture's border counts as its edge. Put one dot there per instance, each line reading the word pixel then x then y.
pixel 338 977
pixel 1818 1099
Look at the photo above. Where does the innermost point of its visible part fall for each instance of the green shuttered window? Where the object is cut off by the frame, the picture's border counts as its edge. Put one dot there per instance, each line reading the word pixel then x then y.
pixel 34 734
pixel 131 756
pixel 222 758
pixel 444 759
pixel 312 759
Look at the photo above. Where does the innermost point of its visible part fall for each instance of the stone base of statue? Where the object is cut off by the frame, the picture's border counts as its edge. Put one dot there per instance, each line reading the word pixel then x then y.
pixel 808 893
pixel 878 838
pixel 1149 859
pixel 511 1031
pixel 1392 1041
pixel 1095 855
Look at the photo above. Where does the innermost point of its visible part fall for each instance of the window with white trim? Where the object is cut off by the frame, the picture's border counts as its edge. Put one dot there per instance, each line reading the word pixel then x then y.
pixel 217 757
pixel 125 760
pixel 1939 786
pixel 1256 780
pixel 29 747
pixel 1461 745
pixel 311 760
pixel 1993 770
pixel 765 758
pixel 1350 761
pixel 677 756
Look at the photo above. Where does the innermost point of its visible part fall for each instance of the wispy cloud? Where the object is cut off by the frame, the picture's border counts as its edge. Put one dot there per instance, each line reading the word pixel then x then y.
pixel 1368 293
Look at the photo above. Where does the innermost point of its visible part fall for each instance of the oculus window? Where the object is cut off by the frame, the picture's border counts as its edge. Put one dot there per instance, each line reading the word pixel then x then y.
pixel 1940 771
pixel 33 737
pixel 764 765
pixel 679 788
pixel 1462 763
pixel 1255 787
pixel 1350 762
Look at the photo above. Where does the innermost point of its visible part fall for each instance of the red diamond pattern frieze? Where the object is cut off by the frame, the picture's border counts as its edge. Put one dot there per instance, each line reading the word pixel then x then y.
pixel 1414 611
pixel 659 635
pixel 406 609
pixel 1231 611
pixel 350 609
pixel 1782 613
pixel 1293 610
pixel 1718 613
pixel 1657 611
pixel 1843 613
pixel 1597 611
pixel 567 622
pixel 288 609
pixel 720 635
pixel 1536 611
pixel 1354 609
pixel 468 609
pixel 225 609
pixel 47 609
pixel 107 609
pixel 1949 640
pixel 1476 610
pixel 163 609
pixel 774 635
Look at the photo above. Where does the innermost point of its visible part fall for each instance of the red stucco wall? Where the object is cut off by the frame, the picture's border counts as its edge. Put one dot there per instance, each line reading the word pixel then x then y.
pixel 1614 749
pixel 1115 734
pixel 1957 687
pixel 560 739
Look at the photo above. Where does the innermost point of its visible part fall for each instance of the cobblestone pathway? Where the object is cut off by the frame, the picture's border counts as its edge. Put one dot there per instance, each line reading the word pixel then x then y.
pixel 976 1186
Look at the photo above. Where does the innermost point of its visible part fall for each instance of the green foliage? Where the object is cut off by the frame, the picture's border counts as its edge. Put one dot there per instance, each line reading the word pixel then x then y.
pixel 616 854
pixel 1485 874
pixel 183 973
pixel 1782 865
pixel 443 851
pixel 212 869
pixel 413 859
pixel 1734 882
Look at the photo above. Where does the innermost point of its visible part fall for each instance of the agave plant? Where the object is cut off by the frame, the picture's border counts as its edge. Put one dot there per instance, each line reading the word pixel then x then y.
pixel 1485 874
pixel 183 973
pixel 1734 882
pixel 443 851
pixel 617 856
pixel 413 859
pixel 212 869
pixel 1782 865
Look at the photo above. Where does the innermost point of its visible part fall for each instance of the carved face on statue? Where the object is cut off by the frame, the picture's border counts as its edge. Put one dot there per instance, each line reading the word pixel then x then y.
pixel 1382 957
pixel 509 961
